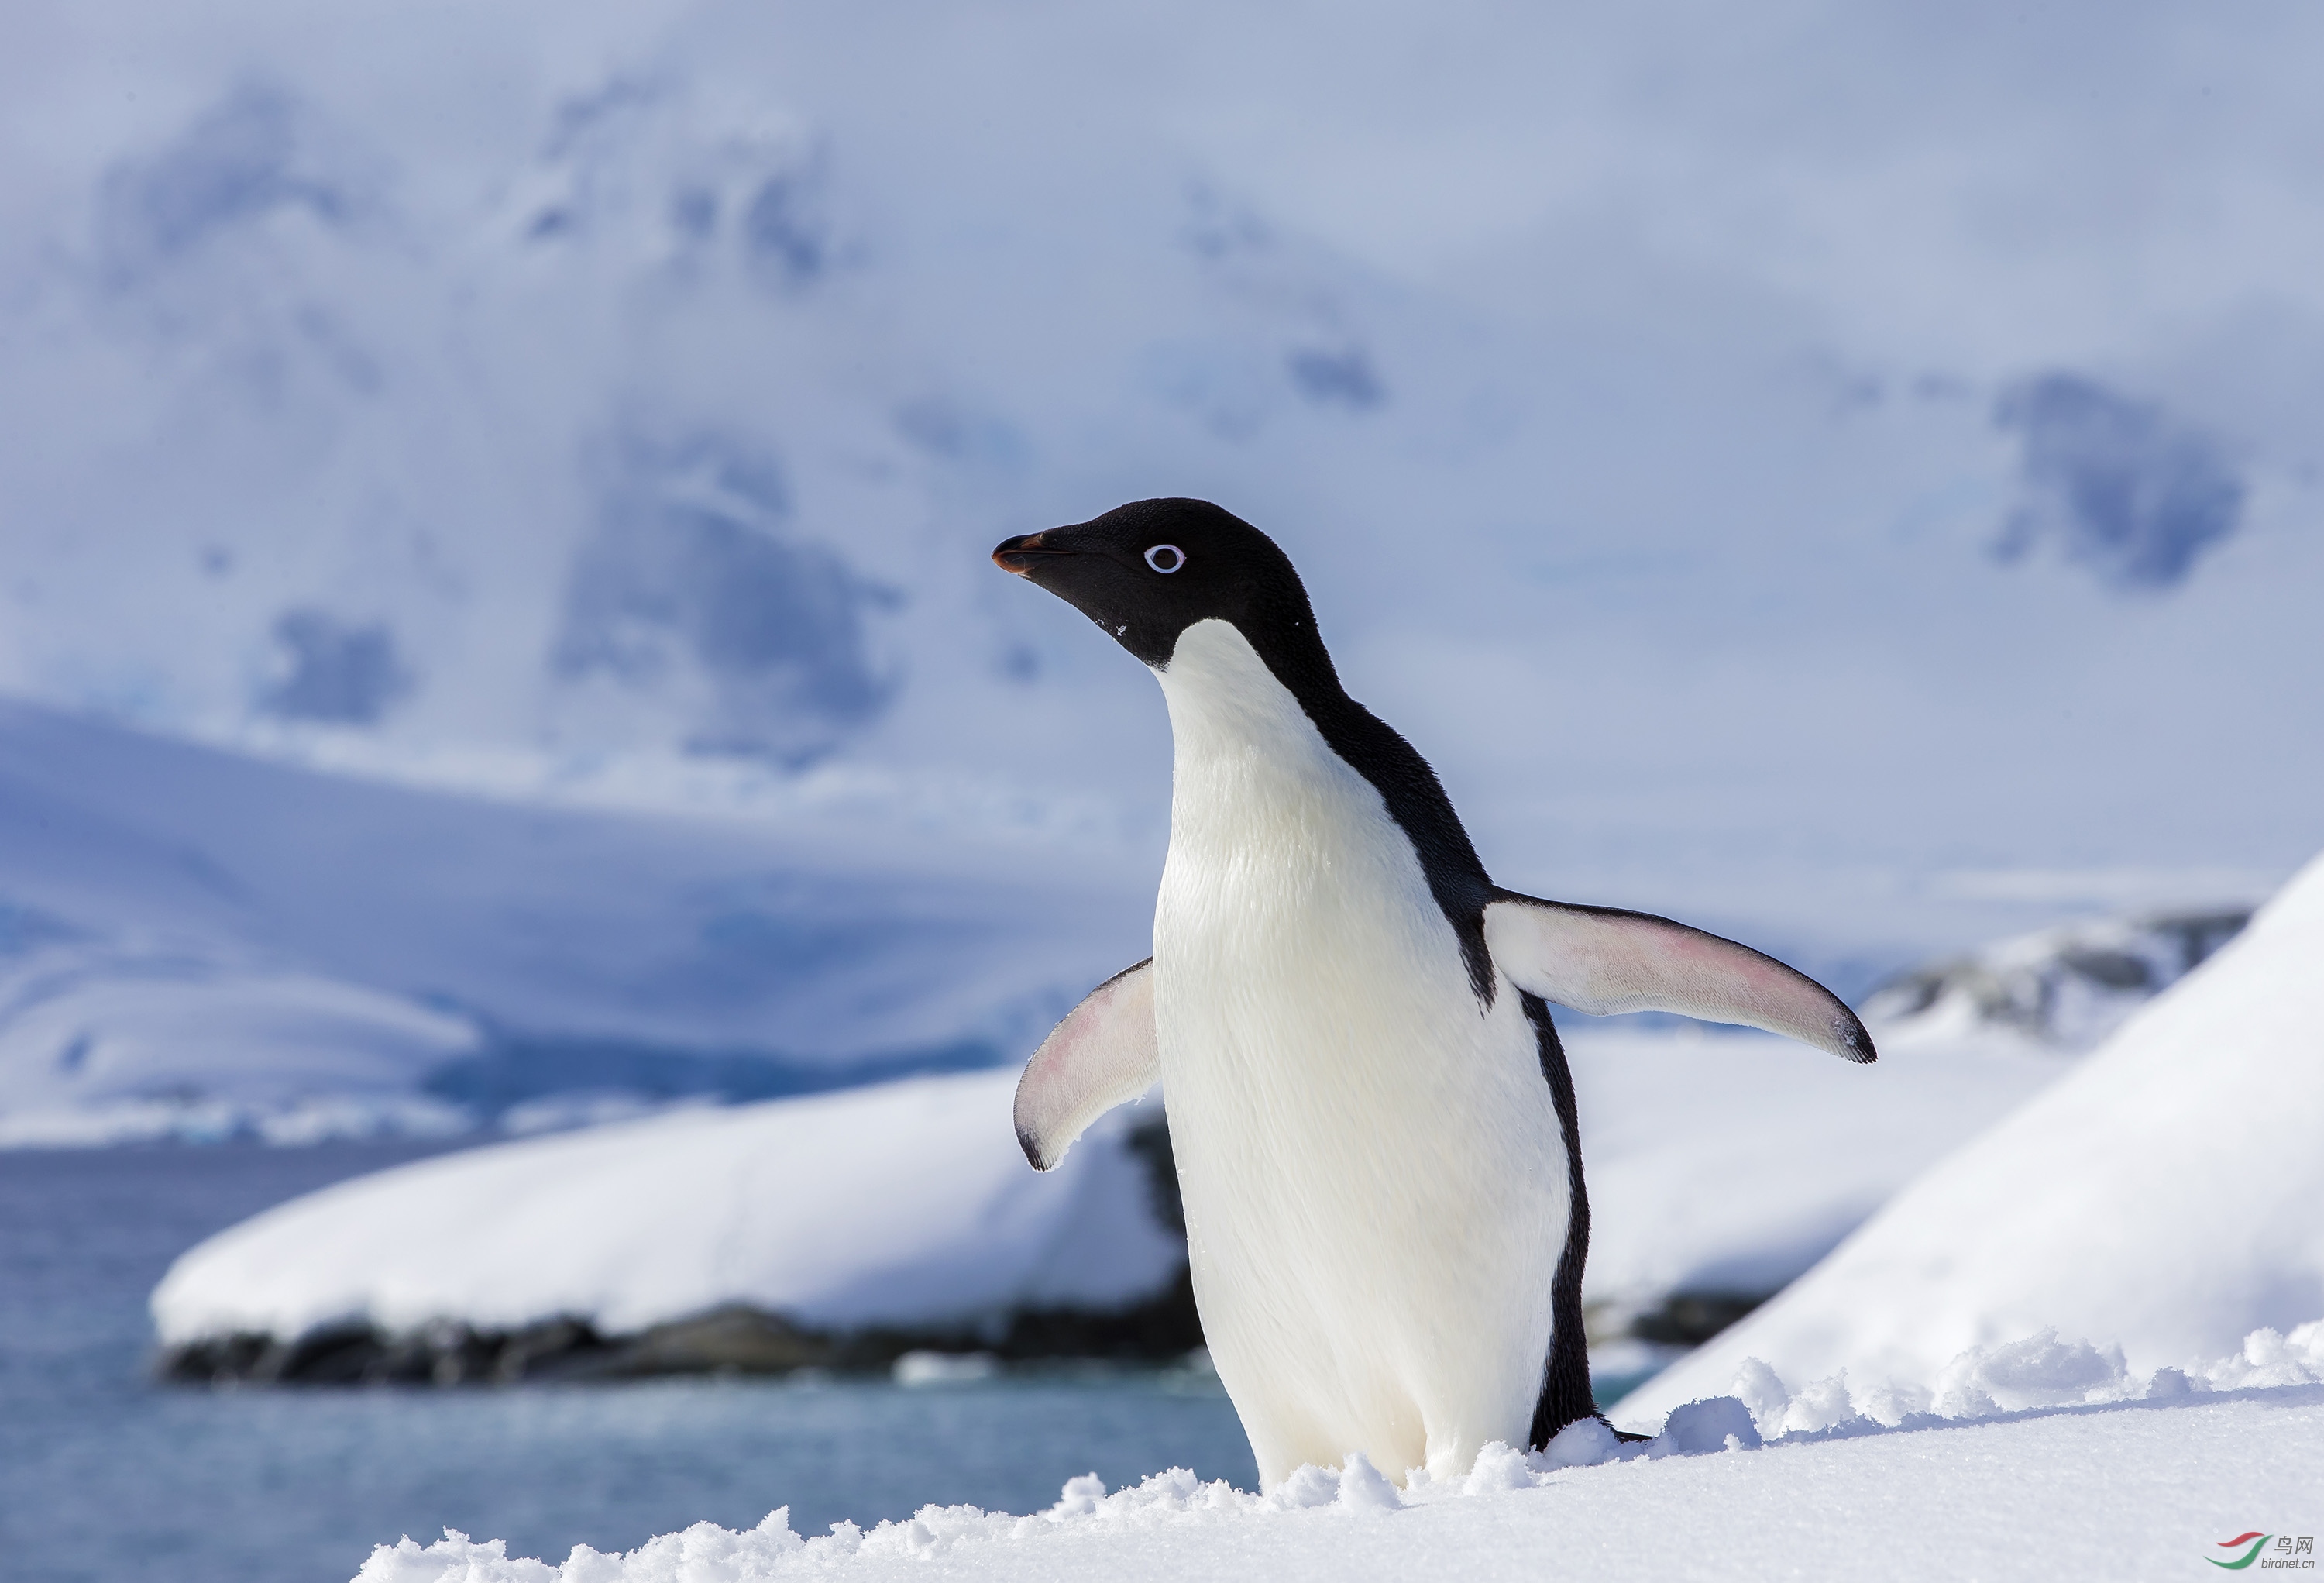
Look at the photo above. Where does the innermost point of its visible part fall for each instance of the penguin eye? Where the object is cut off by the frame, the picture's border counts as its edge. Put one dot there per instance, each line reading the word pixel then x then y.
pixel 1166 558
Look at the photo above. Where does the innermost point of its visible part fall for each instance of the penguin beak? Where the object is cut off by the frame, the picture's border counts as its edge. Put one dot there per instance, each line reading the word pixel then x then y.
pixel 1021 554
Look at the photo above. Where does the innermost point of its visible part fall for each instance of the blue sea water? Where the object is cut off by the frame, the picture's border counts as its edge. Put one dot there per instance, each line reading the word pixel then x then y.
pixel 104 1475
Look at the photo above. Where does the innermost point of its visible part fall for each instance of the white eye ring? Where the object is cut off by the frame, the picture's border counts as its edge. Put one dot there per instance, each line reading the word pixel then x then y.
pixel 1154 558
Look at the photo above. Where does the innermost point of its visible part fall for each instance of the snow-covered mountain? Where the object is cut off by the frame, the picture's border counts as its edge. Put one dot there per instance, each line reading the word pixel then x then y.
pixel 197 944
pixel 1801 472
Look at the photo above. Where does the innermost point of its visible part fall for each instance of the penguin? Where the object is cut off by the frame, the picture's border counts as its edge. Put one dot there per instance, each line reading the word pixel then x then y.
pixel 1371 1115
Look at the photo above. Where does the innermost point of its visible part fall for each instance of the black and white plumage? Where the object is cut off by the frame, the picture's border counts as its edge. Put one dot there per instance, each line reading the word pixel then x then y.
pixel 1372 1117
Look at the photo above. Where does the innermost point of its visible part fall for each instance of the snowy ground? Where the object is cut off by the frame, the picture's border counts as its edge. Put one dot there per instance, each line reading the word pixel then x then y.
pixel 2140 1489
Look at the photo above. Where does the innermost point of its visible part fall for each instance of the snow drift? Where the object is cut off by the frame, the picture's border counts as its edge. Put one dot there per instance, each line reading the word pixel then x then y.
pixel 2164 1194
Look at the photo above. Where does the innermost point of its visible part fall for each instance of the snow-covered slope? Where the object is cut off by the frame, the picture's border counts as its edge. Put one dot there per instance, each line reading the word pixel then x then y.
pixel 1723 1166
pixel 2163 1194
pixel 2143 1489
pixel 905 1208
pixel 194 942
pixel 1763 459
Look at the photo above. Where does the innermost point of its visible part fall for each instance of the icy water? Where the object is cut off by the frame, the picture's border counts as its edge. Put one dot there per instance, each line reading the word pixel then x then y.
pixel 104 1475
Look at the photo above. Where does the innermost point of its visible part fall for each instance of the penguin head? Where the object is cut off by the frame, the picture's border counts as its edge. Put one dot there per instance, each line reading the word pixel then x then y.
pixel 1148 570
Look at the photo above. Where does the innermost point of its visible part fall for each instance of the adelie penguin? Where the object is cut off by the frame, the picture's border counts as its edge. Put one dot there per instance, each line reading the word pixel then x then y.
pixel 1372 1119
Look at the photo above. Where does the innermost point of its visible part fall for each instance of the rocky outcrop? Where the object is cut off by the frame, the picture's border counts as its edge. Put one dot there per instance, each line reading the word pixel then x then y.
pixel 2067 987
pixel 736 1339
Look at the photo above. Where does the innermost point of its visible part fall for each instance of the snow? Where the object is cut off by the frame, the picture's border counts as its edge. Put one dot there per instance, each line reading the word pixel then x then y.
pixel 2032 1372
pixel 907 1202
pixel 2162 1196
pixel 2131 1484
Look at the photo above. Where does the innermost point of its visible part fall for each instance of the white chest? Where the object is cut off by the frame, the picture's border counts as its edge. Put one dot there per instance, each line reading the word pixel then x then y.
pixel 1374 1183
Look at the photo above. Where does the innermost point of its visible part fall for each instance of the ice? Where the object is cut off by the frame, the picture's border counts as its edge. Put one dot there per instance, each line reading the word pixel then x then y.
pixel 2161 1195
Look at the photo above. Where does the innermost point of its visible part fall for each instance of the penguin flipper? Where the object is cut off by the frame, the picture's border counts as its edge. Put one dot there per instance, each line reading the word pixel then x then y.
pixel 1601 960
pixel 1103 1054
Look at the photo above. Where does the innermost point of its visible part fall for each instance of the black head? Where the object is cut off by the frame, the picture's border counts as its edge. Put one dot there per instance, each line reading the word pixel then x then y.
pixel 1148 570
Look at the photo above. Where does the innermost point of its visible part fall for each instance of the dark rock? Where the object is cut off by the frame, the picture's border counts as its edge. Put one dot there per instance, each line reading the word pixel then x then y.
pixel 731 1339
pixel 1690 1319
pixel 736 1339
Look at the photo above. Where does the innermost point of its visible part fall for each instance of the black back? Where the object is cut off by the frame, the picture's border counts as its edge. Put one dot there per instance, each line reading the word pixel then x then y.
pixel 1565 1395
pixel 1112 570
